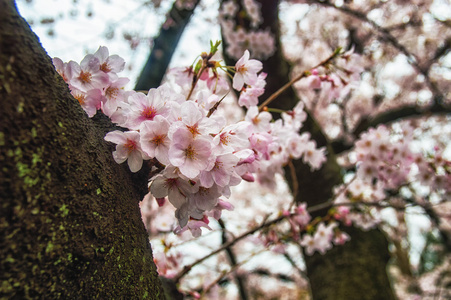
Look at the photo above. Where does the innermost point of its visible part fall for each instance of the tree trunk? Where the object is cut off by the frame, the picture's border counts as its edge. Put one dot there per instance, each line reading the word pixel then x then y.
pixel 70 222
pixel 356 270
pixel 164 46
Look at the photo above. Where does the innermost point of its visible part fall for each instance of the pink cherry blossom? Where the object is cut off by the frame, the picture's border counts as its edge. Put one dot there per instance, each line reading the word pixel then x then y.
pixel 145 107
pixel 323 237
pixel 341 238
pixel 168 264
pixel 309 243
pixel 189 154
pixel 194 121
pixel 128 148
pixel 217 83
pixel 246 71
pixel 194 226
pixel 87 75
pixel 154 138
pixel 90 101
pixel 216 212
pixel 110 64
pixel 61 68
pixel 313 156
pixel 260 142
pixel 171 185
pixel 295 117
pixel 233 137
pixel 115 95
pixel 221 171
pixel 301 216
pixel 183 76
pixel 259 120
pixel 249 96
pixel 205 198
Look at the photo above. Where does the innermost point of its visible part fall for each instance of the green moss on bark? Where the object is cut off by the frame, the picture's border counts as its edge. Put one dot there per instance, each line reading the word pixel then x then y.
pixel 61 237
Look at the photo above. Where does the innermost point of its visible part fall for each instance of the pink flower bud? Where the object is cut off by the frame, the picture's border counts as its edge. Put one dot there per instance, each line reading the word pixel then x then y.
pixel 248 177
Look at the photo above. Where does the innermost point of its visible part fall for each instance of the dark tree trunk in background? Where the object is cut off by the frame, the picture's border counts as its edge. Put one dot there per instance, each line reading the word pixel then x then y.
pixel 356 270
pixel 163 48
pixel 70 225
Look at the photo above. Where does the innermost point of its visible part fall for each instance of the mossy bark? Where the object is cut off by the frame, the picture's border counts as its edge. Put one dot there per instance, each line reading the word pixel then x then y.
pixel 70 225
pixel 356 270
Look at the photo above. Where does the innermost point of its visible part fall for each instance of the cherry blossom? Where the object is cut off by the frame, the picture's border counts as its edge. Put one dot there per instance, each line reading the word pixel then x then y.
pixel 200 155
pixel 189 154
pixel 109 64
pixel 87 75
pixel 221 171
pixel 249 96
pixel 145 107
pixel 246 71
pixel 90 101
pixel 171 185
pixel 154 139
pixel 128 148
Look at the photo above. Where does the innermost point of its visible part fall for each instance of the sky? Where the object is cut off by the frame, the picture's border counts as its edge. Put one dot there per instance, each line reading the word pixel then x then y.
pixel 82 27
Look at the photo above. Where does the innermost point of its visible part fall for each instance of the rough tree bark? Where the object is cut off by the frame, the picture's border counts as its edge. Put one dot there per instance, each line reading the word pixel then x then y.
pixel 70 225
pixel 356 270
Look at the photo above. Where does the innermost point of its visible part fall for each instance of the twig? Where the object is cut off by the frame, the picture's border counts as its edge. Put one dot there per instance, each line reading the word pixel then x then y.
pixel 291 261
pixel 294 180
pixel 387 117
pixel 233 262
pixel 297 78
pixel 265 224
pixel 186 269
pixel 215 106
pixel 387 36
pixel 233 269
pixel 196 79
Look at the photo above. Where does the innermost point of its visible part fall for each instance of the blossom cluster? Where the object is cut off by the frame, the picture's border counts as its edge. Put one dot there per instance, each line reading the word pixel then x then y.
pixel 323 237
pixel 313 235
pixel 384 158
pixel 387 162
pixel 388 158
pixel 196 156
pixel 261 43
pixel 94 82
pixel 320 237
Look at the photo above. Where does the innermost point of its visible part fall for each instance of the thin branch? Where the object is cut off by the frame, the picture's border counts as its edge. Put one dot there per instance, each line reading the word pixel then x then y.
pixel 278 276
pixel 401 26
pixel 294 179
pixel 400 113
pixel 188 268
pixel 390 116
pixel 216 105
pixel 291 261
pixel 435 219
pixel 446 22
pixel 233 262
pixel 297 78
pixel 233 269
pixel 342 106
pixel 163 47
pixel 388 37
pixel 265 224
